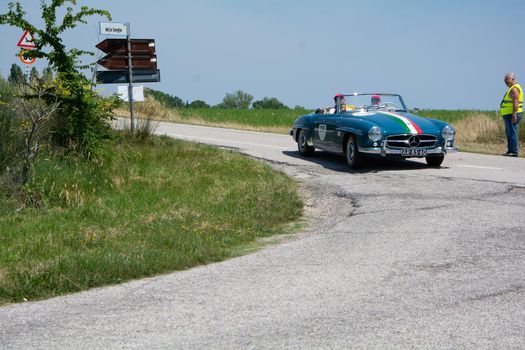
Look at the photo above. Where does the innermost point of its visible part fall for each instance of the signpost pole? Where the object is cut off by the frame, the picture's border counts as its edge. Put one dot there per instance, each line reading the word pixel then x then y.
pixel 130 85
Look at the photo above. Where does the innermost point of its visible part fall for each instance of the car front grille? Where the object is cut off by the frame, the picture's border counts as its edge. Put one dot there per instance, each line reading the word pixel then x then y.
pixel 409 141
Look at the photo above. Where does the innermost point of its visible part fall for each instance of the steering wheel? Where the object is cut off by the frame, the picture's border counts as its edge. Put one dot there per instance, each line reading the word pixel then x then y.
pixel 389 105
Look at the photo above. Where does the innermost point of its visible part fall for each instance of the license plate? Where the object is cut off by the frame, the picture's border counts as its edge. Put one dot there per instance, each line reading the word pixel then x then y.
pixel 414 152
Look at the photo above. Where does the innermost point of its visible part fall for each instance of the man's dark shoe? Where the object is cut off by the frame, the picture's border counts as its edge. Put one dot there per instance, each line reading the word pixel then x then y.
pixel 510 154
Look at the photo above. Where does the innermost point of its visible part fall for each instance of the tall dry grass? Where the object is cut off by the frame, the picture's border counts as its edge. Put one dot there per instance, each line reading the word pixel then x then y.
pixel 479 127
pixel 483 133
pixel 149 109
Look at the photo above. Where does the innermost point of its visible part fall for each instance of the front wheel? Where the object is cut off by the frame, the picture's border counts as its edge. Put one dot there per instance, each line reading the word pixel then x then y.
pixel 435 161
pixel 354 158
pixel 302 144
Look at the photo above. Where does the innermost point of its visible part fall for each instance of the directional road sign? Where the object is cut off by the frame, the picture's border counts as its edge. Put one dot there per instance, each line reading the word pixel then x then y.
pixel 138 46
pixel 122 76
pixel 142 52
pixel 117 61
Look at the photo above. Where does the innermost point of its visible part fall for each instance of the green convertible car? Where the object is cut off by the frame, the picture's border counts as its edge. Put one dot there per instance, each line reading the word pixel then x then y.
pixel 365 125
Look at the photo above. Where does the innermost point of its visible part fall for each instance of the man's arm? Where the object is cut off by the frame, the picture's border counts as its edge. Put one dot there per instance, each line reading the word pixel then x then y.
pixel 514 93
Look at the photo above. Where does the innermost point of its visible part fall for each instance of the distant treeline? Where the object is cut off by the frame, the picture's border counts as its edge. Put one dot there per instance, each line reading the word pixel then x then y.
pixel 237 100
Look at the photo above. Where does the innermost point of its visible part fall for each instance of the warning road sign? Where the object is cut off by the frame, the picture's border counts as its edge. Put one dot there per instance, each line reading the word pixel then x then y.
pixel 26 41
pixel 25 58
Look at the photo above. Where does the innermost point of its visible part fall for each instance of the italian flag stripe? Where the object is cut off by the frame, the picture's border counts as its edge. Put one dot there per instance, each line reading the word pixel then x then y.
pixel 409 125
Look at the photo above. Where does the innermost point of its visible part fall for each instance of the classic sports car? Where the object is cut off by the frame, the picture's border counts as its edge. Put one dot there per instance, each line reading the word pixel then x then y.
pixel 364 126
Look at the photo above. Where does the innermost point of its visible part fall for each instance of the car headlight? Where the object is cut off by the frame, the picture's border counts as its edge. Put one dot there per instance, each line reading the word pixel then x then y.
pixel 448 133
pixel 375 134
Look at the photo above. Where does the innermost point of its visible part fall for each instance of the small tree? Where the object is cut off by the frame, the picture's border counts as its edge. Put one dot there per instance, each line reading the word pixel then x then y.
pixel 35 110
pixel 269 103
pixel 47 74
pixel 33 75
pixel 238 99
pixel 11 141
pixel 16 75
pixel 83 118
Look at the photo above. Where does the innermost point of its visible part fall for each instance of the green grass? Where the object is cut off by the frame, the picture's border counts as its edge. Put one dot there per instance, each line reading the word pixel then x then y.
pixel 270 120
pixel 451 116
pixel 149 209
pixel 252 117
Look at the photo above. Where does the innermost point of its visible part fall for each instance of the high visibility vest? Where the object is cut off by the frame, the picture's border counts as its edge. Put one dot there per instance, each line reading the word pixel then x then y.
pixel 506 106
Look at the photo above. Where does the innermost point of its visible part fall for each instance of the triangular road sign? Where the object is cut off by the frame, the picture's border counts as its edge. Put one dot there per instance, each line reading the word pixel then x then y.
pixel 26 41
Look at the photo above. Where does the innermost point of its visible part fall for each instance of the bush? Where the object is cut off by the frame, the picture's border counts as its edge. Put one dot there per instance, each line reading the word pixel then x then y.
pixel 11 140
pixel 83 122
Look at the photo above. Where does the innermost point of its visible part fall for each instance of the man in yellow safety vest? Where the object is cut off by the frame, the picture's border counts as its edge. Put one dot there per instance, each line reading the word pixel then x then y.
pixel 511 109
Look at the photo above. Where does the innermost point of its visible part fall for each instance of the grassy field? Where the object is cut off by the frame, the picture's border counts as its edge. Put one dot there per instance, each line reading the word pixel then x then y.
pixel 151 208
pixel 477 131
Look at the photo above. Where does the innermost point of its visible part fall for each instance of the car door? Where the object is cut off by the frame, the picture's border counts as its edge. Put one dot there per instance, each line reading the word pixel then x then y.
pixel 320 128
pixel 333 137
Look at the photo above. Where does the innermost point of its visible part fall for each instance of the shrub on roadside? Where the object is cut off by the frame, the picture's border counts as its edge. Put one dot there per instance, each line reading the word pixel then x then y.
pixel 11 141
pixel 83 122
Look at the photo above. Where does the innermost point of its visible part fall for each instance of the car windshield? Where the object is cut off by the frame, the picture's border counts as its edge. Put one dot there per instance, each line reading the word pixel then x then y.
pixel 371 102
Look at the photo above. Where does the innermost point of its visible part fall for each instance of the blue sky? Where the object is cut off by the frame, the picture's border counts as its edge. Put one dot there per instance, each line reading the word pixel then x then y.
pixel 437 54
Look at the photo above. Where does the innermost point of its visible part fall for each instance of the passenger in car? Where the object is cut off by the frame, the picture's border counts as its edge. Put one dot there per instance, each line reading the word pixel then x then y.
pixel 339 99
pixel 375 100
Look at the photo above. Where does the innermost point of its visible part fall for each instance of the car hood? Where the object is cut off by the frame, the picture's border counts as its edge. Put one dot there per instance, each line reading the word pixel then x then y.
pixel 400 122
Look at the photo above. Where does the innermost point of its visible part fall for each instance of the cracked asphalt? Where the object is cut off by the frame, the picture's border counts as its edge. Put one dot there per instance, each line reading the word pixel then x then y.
pixel 396 256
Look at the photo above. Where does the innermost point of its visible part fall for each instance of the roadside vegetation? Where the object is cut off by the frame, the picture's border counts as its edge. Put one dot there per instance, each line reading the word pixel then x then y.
pixel 148 208
pixel 82 205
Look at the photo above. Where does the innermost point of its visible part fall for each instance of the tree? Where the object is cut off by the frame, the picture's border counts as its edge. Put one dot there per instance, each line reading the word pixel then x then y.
pixel 198 104
pixel 83 119
pixel 11 140
pixel 33 75
pixel 47 74
pixel 64 61
pixel 238 99
pixel 35 112
pixel 269 103
pixel 16 75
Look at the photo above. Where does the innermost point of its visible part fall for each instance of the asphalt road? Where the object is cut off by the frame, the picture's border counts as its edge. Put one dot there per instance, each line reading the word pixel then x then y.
pixel 398 256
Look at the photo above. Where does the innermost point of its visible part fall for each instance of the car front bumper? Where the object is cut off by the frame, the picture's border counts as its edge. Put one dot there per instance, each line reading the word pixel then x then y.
pixel 384 151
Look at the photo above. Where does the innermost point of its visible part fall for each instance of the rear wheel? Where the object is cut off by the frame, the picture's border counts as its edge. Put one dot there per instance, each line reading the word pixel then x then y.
pixel 302 144
pixel 435 161
pixel 354 158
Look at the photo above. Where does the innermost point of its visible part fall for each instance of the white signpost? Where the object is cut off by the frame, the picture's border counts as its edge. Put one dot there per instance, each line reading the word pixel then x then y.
pixel 138 93
pixel 113 28
pixel 122 29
